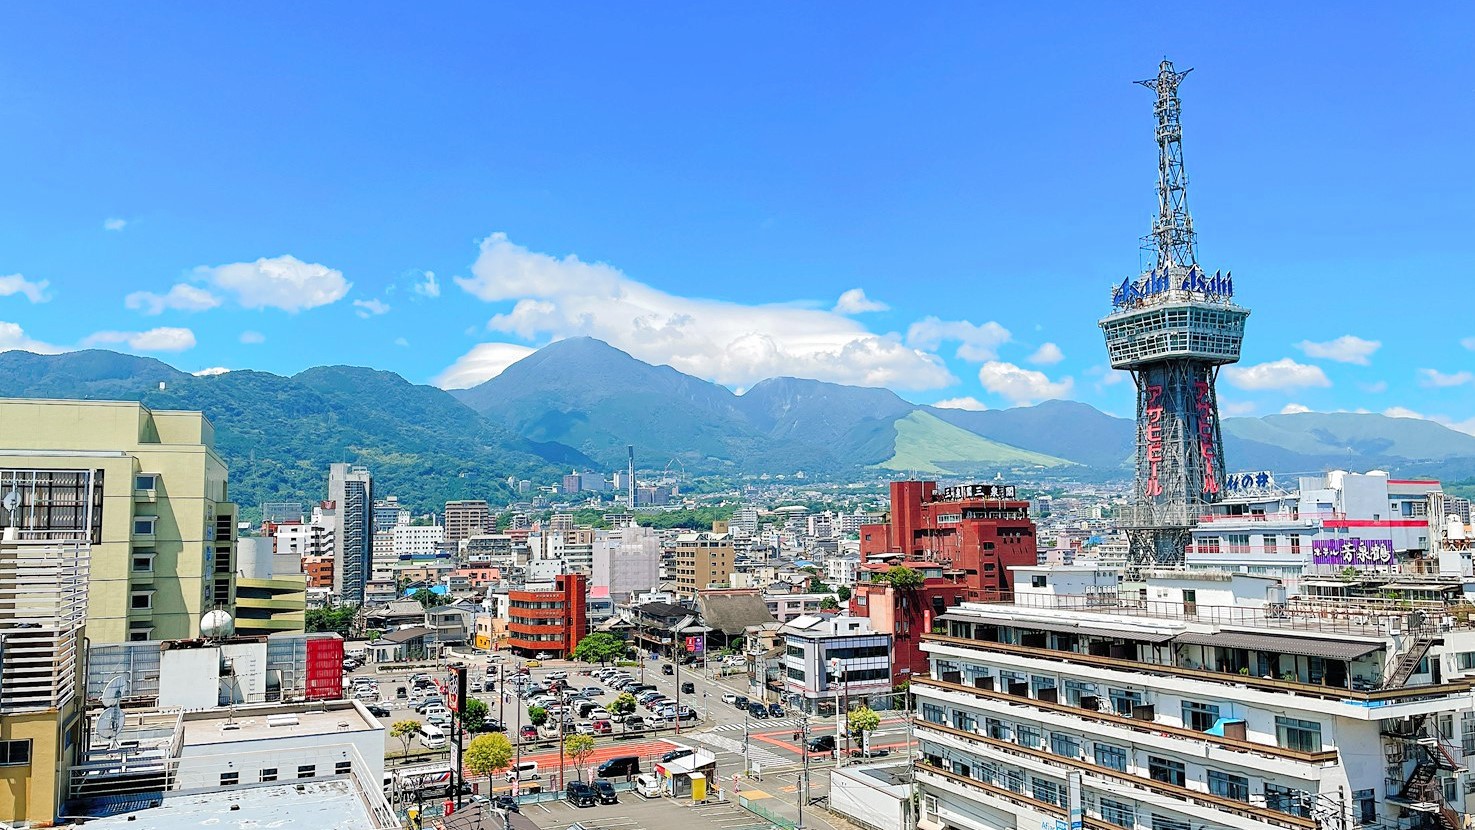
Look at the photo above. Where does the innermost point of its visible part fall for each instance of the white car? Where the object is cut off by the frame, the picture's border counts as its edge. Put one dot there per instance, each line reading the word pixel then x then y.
pixel 599 714
pixel 558 675
pixel 647 786
pixel 729 698
pixel 584 728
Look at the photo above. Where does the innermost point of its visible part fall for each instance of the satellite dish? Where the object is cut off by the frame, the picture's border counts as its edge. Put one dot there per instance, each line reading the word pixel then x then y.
pixel 113 692
pixel 109 724
pixel 12 500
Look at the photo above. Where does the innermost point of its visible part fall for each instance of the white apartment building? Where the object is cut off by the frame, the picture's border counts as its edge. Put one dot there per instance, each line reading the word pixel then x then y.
pixel 626 560
pixel 417 540
pixel 312 539
pixel 1203 701
pixel 789 607
pixel 862 664
pixel 841 569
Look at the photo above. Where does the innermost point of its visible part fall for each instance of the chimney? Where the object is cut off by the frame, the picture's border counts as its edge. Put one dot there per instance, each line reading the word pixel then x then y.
pixel 631 476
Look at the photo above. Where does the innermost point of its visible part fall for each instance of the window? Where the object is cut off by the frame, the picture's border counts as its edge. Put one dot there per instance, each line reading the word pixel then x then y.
pixel 141 600
pixel 1302 735
pixel 996 729
pixel 1225 785
pixel 144 525
pixel 1111 757
pixel 1119 813
pixel 343 768
pixel 932 713
pixel 1166 771
pixel 1365 806
pixel 1123 700
pixel 1067 746
pixel 227 779
pixel 1027 736
pixel 145 481
pixel 1466 660
pixel 307 770
pixel 15 753
pixel 143 563
pixel 1165 823
pixel 1045 790
pixel 1037 581
pixel 268 774
pixel 1286 800
pixel 1271 543
pixel 1199 717
pixel 1074 690
pixel 1038 682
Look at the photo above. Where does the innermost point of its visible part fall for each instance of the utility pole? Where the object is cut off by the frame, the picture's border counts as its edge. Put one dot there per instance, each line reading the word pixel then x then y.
pixel 746 734
pixel 804 774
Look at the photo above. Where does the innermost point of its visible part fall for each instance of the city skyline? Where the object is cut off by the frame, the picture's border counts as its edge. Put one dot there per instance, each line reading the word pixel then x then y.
pixel 934 205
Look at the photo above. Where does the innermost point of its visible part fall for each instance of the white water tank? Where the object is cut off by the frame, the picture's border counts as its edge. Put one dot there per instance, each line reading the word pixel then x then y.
pixel 216 624
pixel 1454 528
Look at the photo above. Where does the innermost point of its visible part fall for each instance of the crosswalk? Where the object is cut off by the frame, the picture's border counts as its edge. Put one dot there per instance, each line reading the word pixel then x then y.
pixel 771 725
pixel 756 753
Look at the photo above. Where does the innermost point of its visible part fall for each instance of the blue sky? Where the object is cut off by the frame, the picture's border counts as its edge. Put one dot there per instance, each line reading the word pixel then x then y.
pixel 702 185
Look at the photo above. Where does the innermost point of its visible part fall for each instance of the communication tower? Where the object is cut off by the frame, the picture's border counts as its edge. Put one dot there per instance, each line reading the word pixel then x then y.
pixel 1172 327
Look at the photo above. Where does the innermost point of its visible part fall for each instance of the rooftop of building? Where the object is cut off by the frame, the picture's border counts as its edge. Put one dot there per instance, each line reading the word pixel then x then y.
pixel 257 723
pixel 331 804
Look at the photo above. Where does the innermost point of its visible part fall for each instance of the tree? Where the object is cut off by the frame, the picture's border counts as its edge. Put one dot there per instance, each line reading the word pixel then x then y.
pixel 818 586
pixel 339 619
pixel 486 754
pixel 829 604
pixel 426 597
pixel 863 720
pixel 623 704
pixel 843 593
pixel 537 715
pixel 475 715
pixel 405 730
pixel 600 648
pixel 577 747
pixel 902 578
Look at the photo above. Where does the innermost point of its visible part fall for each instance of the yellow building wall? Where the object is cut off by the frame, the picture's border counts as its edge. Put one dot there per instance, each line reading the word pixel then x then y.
pixel 34 793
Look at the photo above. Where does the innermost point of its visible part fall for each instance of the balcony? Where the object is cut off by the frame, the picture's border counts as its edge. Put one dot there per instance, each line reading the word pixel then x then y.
pixel 1195 801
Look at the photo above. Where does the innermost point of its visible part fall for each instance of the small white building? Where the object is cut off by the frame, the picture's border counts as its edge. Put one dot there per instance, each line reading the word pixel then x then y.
pixel 861 664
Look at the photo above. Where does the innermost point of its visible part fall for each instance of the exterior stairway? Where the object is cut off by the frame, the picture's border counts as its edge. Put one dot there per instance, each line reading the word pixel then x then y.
pixel 1422 793
pixel 1409 662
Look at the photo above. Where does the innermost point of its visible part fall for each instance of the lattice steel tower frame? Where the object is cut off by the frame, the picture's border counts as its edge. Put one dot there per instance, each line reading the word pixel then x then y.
pixel 1172 328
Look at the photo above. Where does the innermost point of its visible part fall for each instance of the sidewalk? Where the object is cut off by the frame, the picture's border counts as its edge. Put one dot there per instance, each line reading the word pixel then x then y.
pixel 772 805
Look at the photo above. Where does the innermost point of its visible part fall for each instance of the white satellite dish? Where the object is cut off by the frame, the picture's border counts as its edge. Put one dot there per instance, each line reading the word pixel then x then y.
pixel 113 692
pixel 109 724
pixel 12 501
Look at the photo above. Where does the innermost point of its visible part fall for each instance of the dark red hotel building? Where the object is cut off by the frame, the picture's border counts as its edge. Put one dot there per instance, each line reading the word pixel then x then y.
pixel 963 539
pixel 553 621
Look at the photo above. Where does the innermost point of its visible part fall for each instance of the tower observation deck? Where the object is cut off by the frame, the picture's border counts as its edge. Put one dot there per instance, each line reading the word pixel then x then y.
pixel 1172 328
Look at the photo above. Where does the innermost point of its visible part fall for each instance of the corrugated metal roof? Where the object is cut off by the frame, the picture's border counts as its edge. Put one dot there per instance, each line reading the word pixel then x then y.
pixel 1277 644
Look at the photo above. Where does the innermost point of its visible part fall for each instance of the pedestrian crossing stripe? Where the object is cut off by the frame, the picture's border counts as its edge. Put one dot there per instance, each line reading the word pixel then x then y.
pixel 760 725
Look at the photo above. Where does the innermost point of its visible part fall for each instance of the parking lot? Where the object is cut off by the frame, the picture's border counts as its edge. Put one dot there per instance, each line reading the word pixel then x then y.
pixel 636 813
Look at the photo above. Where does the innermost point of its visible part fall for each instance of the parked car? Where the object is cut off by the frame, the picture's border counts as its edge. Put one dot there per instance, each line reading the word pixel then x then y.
pixel 528 732
pixel 558 675
pixel 874 753
pixel 602 727
pixel 647 786
pixel 543 655
pixel 623 766
pixel 506 802
pixel 584 728
pixel 591 691
pixel 606 792
pixel 634 723
pixel 491 725
pixel 378 710
pixel 680 752
pixel 776 710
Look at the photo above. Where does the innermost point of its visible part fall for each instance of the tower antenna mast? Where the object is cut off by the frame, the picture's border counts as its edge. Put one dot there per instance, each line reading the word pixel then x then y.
pixel 1172 237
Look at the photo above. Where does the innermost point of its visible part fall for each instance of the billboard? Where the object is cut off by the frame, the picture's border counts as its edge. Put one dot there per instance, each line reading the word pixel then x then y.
pixel 695 645
pixel 1353 552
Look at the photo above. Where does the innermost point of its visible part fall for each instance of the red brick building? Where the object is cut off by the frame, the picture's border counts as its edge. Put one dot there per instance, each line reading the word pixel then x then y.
pixel 549 620
pixel 963 539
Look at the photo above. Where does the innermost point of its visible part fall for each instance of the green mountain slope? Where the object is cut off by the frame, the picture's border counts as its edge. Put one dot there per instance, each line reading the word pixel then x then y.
pixel 1354 435
pixel 278 435
pixel 926 444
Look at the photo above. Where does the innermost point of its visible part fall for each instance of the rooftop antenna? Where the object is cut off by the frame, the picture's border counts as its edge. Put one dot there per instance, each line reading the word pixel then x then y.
pixel 1172 235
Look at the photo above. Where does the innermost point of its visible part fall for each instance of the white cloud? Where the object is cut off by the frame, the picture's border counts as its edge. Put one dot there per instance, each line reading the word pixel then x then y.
pixel 855 301
pixel 975 342
pixel 727 342
pixel 1047 354
pixel 1236 407
pixel 1469 343
pixel 1277 374
pixel 969 403
pixel 33 290
pixel 1021 385
pixel 1436 379
pixel 283 282
pixel 402 342
pixel 251 338
pixel 1376 387
pixel 428 287
pixel 182 297
pixel 13 338
pixel 165 339
pixel 370 308
pixel 484 362
pixel 1402 412
pixel 211 372
pixel 1294 409
pixel 113 223
pixel 1344 349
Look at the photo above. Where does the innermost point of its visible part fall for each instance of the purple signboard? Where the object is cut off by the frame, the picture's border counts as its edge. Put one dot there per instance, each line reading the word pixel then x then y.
pixel 1353 552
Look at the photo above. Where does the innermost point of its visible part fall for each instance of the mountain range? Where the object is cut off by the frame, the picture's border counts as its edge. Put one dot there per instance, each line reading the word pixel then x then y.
pixel 578 403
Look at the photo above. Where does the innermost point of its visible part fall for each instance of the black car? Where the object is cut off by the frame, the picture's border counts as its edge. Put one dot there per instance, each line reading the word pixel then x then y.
pixel 506 802
pixel 667 668
pixel 776 710
pixel 740 703
pixel 676 753
pixel 624 766
pixel 378 710
pixel 822 743
pixel 606 792
pixel 580 794
pixel 757 710
pixel 688 688
pixel 490 725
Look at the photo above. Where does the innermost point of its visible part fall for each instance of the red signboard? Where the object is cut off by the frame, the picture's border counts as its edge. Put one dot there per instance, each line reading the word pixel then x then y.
pixel 324 669
pixel 1153 433
pixel 1203 398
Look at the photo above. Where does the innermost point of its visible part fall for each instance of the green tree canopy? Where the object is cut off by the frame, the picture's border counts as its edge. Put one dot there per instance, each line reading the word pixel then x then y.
pixel 486 754
pixel 426 597
pixel 624 703
pixel 475 715
pixel 405 730
pixel 600 648
pixel 339 619
pixel 537 715
pixel 818 586
pixel 829 604
pixel 843 593
pixel 577 747
pixel 863 720
pixel 902 577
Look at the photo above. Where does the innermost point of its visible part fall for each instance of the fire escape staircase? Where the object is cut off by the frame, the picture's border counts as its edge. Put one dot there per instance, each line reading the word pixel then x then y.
pixel 1422 791
pixel 1409 662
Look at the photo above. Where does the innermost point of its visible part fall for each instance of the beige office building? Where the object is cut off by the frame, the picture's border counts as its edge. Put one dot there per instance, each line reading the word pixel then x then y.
pixel 163 535
pixel 702 561
pixel 464 519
